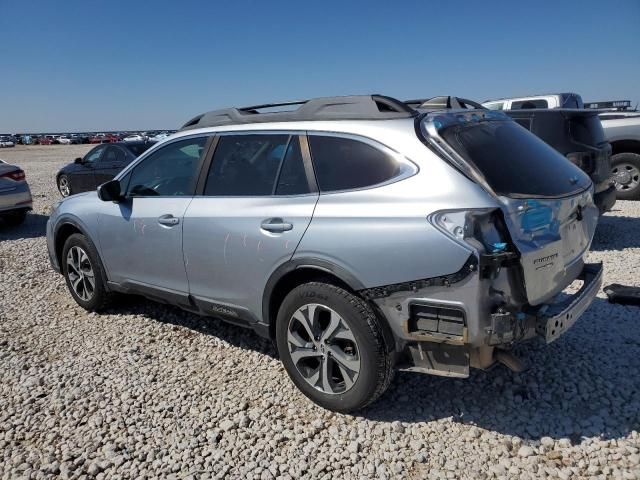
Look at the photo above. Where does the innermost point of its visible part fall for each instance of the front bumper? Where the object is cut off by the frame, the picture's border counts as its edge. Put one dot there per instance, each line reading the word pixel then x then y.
pixel 606 199
pixel 555 319
pixel 51 248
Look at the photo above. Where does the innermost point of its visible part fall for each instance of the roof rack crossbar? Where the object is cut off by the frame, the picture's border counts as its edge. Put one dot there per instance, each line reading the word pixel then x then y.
pixel 272 105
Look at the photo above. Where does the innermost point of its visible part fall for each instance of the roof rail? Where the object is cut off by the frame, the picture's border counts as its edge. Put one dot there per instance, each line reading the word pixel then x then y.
pixel 355 107
pixel 437 103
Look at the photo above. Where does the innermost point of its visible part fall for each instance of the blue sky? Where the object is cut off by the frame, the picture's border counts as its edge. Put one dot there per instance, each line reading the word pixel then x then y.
pixel 102 65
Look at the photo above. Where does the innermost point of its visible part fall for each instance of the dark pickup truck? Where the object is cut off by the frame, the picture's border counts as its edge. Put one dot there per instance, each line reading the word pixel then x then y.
pixel 579 136
pixel 576 133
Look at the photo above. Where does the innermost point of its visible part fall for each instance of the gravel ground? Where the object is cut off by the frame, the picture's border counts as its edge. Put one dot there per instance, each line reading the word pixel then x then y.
pixel 148 391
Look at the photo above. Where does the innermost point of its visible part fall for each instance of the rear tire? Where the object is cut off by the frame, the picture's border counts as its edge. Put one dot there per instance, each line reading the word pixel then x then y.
pixel 84 273
pixel 625 172
pixel 333 348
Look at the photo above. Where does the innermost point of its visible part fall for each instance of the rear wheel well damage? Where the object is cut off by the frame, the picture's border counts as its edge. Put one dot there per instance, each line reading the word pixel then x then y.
pixel 302 275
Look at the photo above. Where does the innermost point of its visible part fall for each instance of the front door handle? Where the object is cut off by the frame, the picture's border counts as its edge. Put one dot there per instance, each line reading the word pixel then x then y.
pixel 276 225
pixel 168 220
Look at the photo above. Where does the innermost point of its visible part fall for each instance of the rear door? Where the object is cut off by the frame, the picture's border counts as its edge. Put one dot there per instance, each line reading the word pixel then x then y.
pixel 110 164
pixel 257 200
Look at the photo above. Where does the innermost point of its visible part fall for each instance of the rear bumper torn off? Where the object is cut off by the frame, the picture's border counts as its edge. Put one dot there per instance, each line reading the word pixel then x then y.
pixel 557 318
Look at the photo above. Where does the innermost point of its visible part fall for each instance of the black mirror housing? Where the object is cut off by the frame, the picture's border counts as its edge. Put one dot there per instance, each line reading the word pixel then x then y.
pixel 110 191
pixel 78 160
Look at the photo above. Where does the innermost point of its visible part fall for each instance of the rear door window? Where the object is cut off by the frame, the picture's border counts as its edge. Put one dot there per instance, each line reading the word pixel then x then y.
pixel 513 161
pixel 345 164
pixel 251 165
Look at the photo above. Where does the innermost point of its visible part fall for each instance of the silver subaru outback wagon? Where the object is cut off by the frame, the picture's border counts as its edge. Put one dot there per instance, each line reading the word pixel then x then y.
pixel 359 234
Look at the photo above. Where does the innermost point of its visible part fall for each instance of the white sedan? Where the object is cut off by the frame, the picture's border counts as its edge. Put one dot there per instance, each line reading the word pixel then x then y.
pixel 63 140
pixel 133 138
pixel 6 142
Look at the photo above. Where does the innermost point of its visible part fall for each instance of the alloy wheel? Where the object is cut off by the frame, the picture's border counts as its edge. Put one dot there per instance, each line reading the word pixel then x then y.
pixel 63 186
pixel 80 273
pixel 323 348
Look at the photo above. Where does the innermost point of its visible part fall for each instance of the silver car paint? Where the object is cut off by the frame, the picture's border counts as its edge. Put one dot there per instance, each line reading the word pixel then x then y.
pixel 137 249
pixel 379 235
pixel 14 194
pixel 229 257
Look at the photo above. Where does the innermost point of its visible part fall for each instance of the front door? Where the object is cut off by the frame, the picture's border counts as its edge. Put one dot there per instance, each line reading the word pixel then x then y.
pixel 257 203
pixel 141 237
pixel 83 179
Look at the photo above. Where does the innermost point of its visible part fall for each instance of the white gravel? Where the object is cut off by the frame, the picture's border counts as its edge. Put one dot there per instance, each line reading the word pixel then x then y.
pixel 148 391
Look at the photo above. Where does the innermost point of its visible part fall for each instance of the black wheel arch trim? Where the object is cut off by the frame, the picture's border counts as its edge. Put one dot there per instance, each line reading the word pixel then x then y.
pixel 73 221
pixel 306 262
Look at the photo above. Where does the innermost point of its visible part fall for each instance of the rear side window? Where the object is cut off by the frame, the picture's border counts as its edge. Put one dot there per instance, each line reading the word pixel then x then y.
pixel 528 104
pixel 345 164
pixel 257 165
pixel 513 161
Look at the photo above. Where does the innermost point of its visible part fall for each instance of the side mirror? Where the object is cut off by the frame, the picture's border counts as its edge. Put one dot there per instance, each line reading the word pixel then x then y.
pixel 78 160
pixel 110 191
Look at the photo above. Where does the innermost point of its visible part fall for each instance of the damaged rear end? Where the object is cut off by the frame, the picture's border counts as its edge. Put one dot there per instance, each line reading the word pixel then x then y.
pixel 523 254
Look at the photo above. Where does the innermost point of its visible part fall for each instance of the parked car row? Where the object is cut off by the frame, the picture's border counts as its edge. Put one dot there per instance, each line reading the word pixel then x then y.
pixel 80 138
pixel 322 237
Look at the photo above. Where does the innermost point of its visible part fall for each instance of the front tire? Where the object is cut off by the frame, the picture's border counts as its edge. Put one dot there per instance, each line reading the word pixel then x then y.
pixel 333 348
pixel 64 186
pixel 84 274
pixel 625 172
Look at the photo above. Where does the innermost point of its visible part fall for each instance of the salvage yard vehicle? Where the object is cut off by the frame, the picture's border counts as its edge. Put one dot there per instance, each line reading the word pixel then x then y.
pixel 7 142
pixel 98 166
pixel 15 196
pixel 359 234
pixel 575 133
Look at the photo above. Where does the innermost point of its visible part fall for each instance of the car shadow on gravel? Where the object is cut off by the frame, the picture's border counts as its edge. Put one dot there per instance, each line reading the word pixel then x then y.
pixel 586 385
pixel 34 226
pixel 555 397
pixel 616 233
pixel 235 335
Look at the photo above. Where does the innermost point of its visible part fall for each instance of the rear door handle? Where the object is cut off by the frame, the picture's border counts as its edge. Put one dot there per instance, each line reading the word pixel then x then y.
pixel 168 220
pixel 276 225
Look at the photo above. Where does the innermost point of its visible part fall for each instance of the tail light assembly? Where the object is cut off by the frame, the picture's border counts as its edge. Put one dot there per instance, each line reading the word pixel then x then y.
pixel 16 175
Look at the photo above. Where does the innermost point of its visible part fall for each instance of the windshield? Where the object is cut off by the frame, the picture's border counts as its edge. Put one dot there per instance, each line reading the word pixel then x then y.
pixel 513 161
